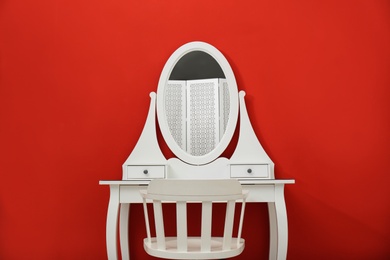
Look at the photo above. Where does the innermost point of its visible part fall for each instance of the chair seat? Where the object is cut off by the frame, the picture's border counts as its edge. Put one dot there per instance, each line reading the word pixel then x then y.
pixel 193 251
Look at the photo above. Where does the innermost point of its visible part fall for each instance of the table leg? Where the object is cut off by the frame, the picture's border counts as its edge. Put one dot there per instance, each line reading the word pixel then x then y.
pixel 278 225
pixel 124 230
pixel 273 231
pixel 112 223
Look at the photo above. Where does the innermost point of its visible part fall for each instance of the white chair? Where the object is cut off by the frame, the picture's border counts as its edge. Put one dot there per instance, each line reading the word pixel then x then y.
pixel 227 191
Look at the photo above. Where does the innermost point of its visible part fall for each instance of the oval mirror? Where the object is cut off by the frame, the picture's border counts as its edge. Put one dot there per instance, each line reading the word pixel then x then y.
pixel 197 103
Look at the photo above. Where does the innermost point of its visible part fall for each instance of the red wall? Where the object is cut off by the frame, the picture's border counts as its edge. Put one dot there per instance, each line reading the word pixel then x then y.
pixel 75 78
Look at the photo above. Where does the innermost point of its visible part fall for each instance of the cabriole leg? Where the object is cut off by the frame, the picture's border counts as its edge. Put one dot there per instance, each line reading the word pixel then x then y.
pixel 112 223
pixel 124 230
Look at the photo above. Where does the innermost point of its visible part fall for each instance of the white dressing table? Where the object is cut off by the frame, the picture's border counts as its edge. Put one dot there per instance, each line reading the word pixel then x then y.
pixel 196 79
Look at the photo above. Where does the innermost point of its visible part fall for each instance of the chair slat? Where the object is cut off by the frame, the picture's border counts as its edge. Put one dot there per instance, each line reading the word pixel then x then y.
pixel 146 215
pixel 159 222
pixel 228 230
pixel 241 221
pixel 181 219
pixel 206 226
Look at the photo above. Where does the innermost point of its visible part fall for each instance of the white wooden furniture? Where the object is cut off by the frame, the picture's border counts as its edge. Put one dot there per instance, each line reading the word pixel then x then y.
pixel 249 164
pixel 206 192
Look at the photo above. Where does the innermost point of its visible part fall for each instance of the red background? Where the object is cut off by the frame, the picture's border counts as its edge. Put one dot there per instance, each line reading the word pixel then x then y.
pixel 75 78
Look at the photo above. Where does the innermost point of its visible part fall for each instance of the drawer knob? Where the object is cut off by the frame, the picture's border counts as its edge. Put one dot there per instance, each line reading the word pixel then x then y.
pixel 145 171
pixel 249 170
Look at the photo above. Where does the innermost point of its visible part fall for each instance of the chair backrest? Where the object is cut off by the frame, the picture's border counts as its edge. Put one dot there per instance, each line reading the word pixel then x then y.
pixel 201 191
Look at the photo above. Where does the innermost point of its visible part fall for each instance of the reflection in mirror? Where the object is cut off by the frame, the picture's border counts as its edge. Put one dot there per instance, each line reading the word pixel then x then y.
pixel 197 112
pixel 197 103
pixel 196 65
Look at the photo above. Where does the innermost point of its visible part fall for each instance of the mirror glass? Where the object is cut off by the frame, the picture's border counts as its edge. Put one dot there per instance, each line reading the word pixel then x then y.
pixel 194 103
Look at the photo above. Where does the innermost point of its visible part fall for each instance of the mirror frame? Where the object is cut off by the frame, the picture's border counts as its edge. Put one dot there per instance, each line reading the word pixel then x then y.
pixel 233 93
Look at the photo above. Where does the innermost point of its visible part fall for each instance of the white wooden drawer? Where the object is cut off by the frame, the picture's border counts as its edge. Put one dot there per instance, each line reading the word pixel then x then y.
pixel 249 171
pixel 145 171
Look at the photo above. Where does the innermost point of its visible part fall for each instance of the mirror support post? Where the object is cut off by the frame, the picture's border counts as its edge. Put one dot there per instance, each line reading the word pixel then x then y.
pixel 147 151
pixel 249 149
